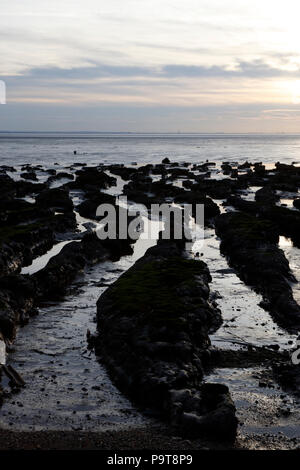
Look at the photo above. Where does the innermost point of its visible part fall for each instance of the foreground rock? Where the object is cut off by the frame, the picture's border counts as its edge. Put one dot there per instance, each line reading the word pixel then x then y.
pixel 153 326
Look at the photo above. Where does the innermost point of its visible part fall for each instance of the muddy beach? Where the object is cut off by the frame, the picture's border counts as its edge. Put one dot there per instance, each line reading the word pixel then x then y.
pixel 149 343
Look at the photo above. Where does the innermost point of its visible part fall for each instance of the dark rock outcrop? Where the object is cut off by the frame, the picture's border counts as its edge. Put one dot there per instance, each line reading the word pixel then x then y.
pixel 7 187
pixel 250 244
pixel 125 173
pixel 29 175
pixel 288 375
pixel 21 243
pixel 219 189
pixel 285 221
pixel 57 199
pixel 211 209
pixel 296 203
pixel 266 196
pixel 59 176
pixel 88 207
pixel 153 334
pixel 20 294
pixel 17 299
pixel 63 268
pixel 25 188
pixel 91 178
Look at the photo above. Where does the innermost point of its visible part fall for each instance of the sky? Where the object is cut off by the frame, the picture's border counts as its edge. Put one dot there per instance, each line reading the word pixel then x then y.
pixel 150 66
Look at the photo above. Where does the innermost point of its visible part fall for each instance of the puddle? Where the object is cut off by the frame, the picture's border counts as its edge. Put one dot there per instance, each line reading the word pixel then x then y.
pixel 115 190
pixel 292 253
pixel 260 409
pixel 286 199
pixel 243 319
pixel 41 261
pixel 249 193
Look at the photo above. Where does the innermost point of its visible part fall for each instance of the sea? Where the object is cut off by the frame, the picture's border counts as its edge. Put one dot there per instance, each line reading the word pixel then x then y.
pixel 51 148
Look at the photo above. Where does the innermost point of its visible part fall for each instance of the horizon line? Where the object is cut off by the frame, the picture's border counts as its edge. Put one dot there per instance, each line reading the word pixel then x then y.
pixel 151 132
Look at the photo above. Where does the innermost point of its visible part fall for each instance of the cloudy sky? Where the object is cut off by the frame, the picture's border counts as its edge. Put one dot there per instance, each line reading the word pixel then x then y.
pixel 151 65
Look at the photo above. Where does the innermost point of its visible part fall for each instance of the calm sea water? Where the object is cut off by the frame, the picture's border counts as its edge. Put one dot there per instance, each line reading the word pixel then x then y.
pixel 49 148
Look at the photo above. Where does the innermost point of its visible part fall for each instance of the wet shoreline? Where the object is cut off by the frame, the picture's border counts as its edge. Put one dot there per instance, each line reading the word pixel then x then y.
pixel 58 322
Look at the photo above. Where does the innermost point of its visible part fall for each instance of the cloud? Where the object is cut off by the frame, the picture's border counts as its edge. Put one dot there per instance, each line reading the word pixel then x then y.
pixel 83 73
pixel 170 84
pixel 255 69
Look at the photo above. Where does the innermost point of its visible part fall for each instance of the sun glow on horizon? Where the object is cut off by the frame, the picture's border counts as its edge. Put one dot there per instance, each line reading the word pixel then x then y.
pixel 295 87
pixel 290 91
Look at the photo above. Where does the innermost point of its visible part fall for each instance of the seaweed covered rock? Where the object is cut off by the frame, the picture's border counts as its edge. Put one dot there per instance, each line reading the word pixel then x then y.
pixel 286 220
pixel 25 188
pixel 250 243
pixel 63 268
pixel 296 203
pixel 94 199
pixel 55 198
pixel 251 207
pixel 145 191
pixel 153 324
pixel 17 302
pixel 12 257
pixel 20 243
pixel 60 271
pixel 266 196
pixel 207 411
pixel 90 177
pixel 7 187
pixel 20 294
pixel 124 172
pixel 211 209
pixel 29 175
pixel 285 177
pixel 8 318
pixel 62 175
pixel 219 189
pixel 17 211
pixel 288 375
